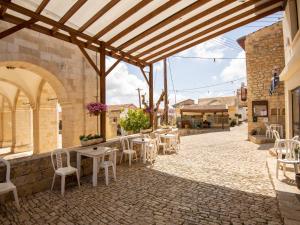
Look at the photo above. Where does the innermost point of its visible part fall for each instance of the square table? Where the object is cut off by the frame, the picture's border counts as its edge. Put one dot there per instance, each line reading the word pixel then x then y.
pixel 95 155
pixel 143 142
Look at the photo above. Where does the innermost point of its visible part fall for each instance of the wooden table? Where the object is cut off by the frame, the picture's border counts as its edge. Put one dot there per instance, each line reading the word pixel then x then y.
pixel 142 142
pixel 95 155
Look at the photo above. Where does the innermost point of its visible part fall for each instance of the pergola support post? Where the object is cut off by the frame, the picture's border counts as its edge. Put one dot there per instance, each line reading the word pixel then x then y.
pixel 102 90
pixel 151 94
pixel 166 93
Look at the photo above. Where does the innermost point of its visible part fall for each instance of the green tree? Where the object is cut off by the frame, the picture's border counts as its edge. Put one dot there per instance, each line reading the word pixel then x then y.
pixel 135 120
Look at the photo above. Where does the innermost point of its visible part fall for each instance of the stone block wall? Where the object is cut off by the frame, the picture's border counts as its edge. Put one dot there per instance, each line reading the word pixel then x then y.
pixel 264 52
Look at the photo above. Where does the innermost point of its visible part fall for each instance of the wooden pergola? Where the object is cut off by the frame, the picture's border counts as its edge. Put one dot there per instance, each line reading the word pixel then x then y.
pixel 139 32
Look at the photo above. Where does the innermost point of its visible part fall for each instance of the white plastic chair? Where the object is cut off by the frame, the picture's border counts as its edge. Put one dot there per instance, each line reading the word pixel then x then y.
pixel 175 143
pixel 8 186
pixel 127 150
pixel 296 138
pixel 61 170
pixel 287 154
pixel 105 164
pixel 269 133
pixel 277 139
pixel 160 143
pixel 151 150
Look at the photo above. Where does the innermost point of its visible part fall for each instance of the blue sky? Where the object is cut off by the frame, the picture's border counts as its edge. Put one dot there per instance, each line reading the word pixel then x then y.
pixel 191 76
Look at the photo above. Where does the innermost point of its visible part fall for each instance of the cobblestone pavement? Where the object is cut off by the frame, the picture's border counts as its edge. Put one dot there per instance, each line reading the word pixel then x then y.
pixel 217 178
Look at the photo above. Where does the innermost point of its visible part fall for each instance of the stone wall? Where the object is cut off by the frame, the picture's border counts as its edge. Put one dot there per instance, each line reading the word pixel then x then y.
pixel 265 51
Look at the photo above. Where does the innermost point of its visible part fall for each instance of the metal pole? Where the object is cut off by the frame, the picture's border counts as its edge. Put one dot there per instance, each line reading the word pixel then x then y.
pixel 166 92
pixel 139 92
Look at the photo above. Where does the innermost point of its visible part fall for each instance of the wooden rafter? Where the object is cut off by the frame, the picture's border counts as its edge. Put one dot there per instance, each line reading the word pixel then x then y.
pixel 100 13
pixel 70 13
pixel 210 21
pixel 144 74
pixel 259 16
pixel 163 23
pixel 112 67
pixel 120 19
pixel 183 24
pixel 143 20
pixel 24 24
pixel 206 31
pixel 127 57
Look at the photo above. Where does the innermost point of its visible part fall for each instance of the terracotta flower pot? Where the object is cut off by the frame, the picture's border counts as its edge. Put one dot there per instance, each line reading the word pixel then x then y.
pixel 298 180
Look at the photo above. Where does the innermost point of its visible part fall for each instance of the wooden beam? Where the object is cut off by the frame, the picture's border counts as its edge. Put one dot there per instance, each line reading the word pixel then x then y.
pixel 112 67
pixel 143 20
pixel 145 76
pixel 207 23
pixel 100 13
pixel 208 30
pixel 151 93
pixel 102 90
pixel 259 16
pixel 165 22
pixel 68 29
pixel 120 19
pixel 75 7
pixel 166 101
pixel 86 55
pixel 24 24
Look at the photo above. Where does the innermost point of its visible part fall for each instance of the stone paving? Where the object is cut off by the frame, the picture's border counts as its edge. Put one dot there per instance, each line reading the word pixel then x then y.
pixel 216 178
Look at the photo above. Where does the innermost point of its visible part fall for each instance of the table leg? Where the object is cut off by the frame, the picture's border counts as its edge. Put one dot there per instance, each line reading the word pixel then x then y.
pixel 95 171
pixel 78 163
pixel 144 153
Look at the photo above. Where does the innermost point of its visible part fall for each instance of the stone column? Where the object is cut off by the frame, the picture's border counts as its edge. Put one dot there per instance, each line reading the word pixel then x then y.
pixel 36 130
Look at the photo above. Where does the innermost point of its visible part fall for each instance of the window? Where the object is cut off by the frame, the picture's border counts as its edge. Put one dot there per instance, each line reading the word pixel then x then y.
pixel 260 108
pixel 294 18
pixel 296 111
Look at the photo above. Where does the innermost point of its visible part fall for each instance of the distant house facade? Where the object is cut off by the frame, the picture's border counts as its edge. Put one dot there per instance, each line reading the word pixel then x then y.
pixel 264 59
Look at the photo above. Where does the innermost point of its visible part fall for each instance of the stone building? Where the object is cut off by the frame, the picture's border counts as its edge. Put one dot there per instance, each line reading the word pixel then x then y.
pixel 264 54
pixel 38 76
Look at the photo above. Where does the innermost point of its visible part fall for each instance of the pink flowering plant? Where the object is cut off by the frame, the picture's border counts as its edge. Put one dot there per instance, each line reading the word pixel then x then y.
pixel 95 108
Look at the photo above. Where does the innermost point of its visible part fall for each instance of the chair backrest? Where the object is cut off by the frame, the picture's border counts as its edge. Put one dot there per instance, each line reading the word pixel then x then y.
pixel 290 147
pixel 296 138
pixel 158 138
pixel 276 134
pixel 268 127
pixel 7 164
pixel 124 143
pixel 57 158
pixel 110 154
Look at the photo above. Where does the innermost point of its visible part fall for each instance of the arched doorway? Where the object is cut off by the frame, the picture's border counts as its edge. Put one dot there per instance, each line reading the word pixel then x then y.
pixel 37 100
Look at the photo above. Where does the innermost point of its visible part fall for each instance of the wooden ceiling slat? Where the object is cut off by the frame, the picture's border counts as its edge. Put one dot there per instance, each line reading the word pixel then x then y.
pixel 208 30
pixel 183 24
pixel 24 24
pixel 201 25
pixel 75 7
pixel 259 16
pixel 3 10
pixel 143 20
pixel 100 13
pixel 68 29
pixel 63 37
pixel 120 19
pixel 163 23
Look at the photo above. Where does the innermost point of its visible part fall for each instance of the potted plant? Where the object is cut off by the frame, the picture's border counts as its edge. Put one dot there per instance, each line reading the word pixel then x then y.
pixel 86 140
pixel 135 120
pixel 95 108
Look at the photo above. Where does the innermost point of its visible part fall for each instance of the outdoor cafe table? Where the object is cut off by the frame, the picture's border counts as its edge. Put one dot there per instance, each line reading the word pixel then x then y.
pixel 278 127
pixel 142 142
pixel 95 155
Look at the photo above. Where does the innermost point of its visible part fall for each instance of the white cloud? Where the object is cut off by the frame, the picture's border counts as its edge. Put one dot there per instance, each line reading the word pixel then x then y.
pixel 236 68
pixel 122 85
pixel 209 49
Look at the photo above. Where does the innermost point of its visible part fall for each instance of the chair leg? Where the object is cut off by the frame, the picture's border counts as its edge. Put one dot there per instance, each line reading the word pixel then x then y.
pixel 78 178
pixel 114 172
pixel 63 181
pixel 106 175
pixel 129 158
pixel 121 158
pixel 53 181
pixel 296 168
pixel 277 169
pixel 284 169
pixel 16 198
